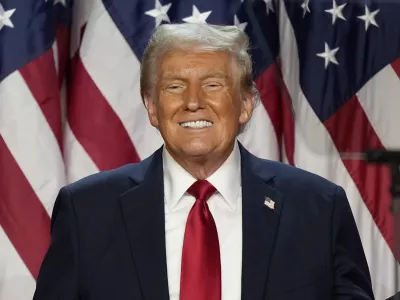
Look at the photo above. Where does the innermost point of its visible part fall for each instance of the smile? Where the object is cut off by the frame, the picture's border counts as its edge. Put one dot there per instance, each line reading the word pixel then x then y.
pixel 196 124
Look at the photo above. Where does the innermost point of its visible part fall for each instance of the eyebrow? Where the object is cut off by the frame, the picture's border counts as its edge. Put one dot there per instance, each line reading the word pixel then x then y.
pixel 211 74
pixel 215 74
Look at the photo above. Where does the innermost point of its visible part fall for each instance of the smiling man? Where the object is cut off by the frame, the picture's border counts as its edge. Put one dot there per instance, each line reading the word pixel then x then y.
pixel 202 218
pixel 198 106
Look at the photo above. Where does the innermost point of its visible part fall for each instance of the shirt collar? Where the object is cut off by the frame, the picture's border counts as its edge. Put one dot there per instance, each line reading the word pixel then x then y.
pixel 227 179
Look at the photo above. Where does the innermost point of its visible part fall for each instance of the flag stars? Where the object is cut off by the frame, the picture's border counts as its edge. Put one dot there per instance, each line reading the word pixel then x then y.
pixel 5 17
pixel 305 7
pixel 270 6
pixel 197 17
pixel 241 26
pixel 160 13
pixel 369 18
pixel 62 2
pixel 336 12
pixel 329 55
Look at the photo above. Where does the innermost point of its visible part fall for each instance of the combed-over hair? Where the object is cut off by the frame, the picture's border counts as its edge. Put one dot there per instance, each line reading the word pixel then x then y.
pixel 205 37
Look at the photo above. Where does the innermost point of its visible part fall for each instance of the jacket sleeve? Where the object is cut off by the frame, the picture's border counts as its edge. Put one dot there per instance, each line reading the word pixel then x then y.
pixel 352 277
pixel 58 275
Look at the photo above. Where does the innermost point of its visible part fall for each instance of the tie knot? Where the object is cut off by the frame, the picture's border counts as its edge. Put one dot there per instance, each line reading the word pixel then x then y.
pixel 202 190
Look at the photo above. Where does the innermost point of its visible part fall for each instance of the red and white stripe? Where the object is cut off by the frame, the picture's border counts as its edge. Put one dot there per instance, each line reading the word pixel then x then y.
pixel 318 147
pixel 32 170
pixel 104 125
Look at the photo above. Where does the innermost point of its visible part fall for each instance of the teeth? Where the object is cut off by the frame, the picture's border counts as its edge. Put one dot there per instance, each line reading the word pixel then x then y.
pixel 196 124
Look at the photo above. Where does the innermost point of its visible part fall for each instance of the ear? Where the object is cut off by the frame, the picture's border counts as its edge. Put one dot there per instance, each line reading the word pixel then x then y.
pixel 247 109
pixel 151 110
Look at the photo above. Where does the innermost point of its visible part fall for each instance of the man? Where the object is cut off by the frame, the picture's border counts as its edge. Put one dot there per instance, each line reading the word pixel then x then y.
pixel 202 218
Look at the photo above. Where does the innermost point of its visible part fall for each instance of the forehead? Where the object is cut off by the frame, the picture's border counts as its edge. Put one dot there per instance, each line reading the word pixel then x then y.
pixel 187 62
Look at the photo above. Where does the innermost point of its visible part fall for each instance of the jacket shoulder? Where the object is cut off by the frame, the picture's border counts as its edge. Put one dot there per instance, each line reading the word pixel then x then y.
pixel 109 183
pixel 294 179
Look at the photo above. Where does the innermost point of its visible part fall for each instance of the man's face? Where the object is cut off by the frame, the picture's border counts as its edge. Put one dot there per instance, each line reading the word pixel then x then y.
pixel 197 104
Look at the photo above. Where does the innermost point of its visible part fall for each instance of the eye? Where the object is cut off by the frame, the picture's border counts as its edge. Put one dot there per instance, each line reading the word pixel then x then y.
pixel 213 86
pixel 175 87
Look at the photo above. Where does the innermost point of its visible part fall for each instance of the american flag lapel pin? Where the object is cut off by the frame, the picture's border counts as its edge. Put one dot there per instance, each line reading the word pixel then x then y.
pixel 269 203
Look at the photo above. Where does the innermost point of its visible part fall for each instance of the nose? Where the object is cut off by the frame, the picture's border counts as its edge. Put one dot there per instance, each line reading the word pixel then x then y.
pixel 194 99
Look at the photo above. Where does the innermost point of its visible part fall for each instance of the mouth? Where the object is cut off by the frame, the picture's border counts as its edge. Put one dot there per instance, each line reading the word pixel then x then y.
pixel 200 124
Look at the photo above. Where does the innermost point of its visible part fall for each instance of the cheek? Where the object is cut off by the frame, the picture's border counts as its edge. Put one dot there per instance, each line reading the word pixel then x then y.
pixel 230 115
pixel 230 110
pixel 167 108
pixel 230 121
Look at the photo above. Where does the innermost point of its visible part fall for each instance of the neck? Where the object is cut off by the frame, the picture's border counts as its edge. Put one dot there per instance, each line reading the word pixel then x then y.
pixel 202 167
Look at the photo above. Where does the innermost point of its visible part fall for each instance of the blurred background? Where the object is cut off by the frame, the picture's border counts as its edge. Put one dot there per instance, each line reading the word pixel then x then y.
pixel 328 72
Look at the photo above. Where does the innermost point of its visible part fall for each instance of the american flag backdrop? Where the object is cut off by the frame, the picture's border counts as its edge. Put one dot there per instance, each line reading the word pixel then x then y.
pixel 328 72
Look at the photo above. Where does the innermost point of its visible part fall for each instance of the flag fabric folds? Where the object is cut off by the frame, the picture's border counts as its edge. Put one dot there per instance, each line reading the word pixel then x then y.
pixel 328 73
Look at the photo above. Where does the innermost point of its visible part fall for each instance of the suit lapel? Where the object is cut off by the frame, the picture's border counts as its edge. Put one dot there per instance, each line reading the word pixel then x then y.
pixel 143 213
pixel 260 224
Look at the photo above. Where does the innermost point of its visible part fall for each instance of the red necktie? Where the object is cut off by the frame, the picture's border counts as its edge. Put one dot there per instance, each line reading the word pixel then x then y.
pixel 201 264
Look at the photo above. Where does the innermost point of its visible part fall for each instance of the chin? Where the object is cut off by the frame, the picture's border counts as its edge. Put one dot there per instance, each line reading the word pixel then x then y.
pixel 197 149
pixel 196 152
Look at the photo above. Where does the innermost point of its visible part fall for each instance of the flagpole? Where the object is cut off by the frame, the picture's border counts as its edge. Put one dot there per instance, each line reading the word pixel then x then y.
pixel 395 191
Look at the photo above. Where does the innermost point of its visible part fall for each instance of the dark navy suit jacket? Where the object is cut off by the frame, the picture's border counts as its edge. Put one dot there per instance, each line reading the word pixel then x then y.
pixel 108 237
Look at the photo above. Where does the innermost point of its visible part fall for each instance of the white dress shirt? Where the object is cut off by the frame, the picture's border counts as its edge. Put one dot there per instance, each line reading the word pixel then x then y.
pixel 226 208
